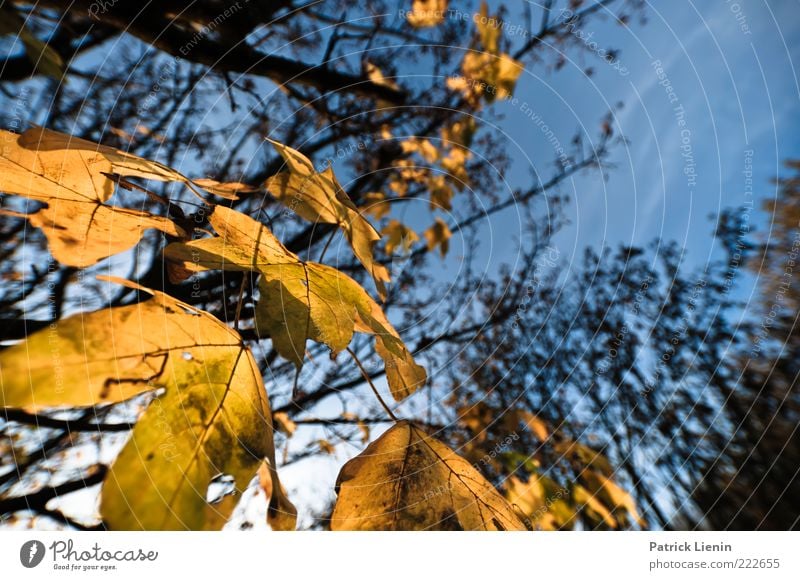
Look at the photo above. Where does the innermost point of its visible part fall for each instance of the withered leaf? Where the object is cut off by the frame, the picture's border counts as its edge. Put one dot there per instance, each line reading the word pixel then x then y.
pixel 407 480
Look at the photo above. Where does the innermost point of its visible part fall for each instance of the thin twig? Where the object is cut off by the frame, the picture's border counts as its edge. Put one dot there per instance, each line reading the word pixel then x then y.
pixel 239 303
pixel 365 374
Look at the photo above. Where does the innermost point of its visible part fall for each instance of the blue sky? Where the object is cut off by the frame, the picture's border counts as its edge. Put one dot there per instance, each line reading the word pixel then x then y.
pixel 730 66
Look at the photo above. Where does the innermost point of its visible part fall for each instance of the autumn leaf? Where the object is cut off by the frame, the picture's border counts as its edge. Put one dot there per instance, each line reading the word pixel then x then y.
pixel 611 494
pixel 61 155
pixel 407 480
pixel 284 424
pixel 536 425
pixel 326 447
pixel 438 235
pixel 81 234
pixel 423 147
pixel 318 197
pixel 73 177
pixel 426 13
pixel 459 133
pixel 375 204
pixel 376 76
pixel 212 419
pixel 226 190
pixel 487 73
pixel 593 508
pixel 398 235
pixel 46 60
pixel 299 300
pixel 281 514
pixel 541 501
pixel 441 193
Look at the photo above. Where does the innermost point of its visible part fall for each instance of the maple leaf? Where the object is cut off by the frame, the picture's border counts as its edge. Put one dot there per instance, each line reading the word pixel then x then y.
pixel 407 480
pixel 318 197
pixel 299 300
pixel 213 417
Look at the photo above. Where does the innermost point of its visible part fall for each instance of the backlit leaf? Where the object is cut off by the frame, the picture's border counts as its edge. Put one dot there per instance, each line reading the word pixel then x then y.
pixel 212 419
pixel 398 235
pixel 611 494
pixel 318 197
pixel 438 235
pixel 592 507
pixel 300 300
pixel 426 13
pixel 407 480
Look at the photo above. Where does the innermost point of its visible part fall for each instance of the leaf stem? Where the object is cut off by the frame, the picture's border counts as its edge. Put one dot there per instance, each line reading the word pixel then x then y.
pixel 328 243
pixel 239 303
pixel 372 385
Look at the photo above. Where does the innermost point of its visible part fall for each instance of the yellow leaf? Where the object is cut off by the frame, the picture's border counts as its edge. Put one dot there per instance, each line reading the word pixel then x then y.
pixel 488 30
pixel 71 176
pixel 505 73
pixel 422 146
pixel 78 158
pixel 376 76
pixel 284 423
pixel 376 205
pixel 318 197
pixel 224 189
pixel 543 503
pixel 398 235
pixel 300 300
pixel 439 235
pixel 441 193
pixel 281 514
pixel 611 494
pixel 536 425
pixel 488 74
pixel 460 133
pixel 326 447
pixel 592 507
pixel 81 234
pixel 212 419
pixel 426 13
pixel 406 480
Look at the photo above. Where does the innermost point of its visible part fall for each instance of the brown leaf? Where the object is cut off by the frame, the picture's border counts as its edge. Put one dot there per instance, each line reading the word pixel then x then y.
pixel 407 480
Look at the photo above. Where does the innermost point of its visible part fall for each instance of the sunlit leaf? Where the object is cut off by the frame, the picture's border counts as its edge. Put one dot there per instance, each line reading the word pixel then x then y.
pixel 398 235
pixel 438 235
pixel 81 234
pixel 318 197
pixel 300 300
pixel 407 480
pixel 60 157
pixel 375 204
pixel 611 494
pixel 376 76
pixel 212 419
pixel 592 507
pixel 281 514
pixel 284 424
pixel 426 13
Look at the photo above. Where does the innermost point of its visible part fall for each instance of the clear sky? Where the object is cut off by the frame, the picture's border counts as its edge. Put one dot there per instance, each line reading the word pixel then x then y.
pixel 724 95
